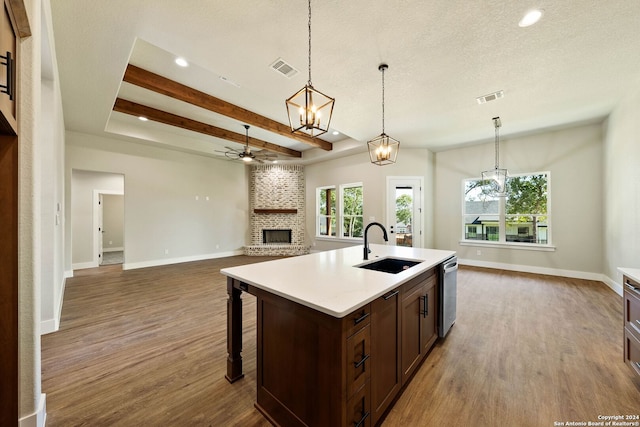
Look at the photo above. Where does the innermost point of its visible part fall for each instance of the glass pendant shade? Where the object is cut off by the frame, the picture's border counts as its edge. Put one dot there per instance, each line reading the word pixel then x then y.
pixel 309 111
pixel 383 150
pixel 496 180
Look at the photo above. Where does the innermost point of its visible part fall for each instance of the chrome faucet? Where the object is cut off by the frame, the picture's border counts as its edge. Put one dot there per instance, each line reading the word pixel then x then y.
pixel 366 243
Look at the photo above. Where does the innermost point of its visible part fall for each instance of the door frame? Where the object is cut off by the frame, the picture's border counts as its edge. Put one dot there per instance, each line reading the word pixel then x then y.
pixel 390 211
pixel 97 222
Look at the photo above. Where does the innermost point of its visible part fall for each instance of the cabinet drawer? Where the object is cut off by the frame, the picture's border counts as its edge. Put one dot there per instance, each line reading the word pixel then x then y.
pixel 632 306
pixel 356 320
pixel 632 351
pixel 358 359
pixel 358 409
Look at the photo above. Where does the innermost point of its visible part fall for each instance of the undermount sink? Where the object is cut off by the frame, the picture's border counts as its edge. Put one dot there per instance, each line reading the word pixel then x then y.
pixel 390 265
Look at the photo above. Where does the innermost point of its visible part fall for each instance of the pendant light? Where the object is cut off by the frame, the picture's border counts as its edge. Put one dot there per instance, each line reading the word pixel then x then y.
pixel 309 110
pixel 383 149
pixel 495 179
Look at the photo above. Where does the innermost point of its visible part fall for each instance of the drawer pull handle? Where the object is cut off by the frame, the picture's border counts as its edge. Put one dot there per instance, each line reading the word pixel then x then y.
pixel 361 422
pixel 361 318
pixel 391 295
pixel 358 364
pixel 632 286
pixel 9 62
pixel 425 305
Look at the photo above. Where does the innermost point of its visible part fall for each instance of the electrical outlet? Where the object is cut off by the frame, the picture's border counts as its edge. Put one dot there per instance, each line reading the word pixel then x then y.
pixel 166 251
pixel 478 252
pixel 217 246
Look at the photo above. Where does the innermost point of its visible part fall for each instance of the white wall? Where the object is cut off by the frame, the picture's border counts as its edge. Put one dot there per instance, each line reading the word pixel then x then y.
pixel 84 185
pixel 52 198
pixel 574 158
pixel 622 187
pixel 358 168
pixel 161 210
pixel 31 399
pixel 113 222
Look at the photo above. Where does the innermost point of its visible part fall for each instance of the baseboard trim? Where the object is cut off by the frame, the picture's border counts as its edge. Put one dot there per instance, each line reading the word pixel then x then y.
pixel 39 417
pixel 544 270
pixel 68 274
pixel 113 249
pixel 82 265
pixel 48 326
pixel 168 261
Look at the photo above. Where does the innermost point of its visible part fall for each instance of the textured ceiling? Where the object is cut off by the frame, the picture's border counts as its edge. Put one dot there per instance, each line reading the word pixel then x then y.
pixel 573 66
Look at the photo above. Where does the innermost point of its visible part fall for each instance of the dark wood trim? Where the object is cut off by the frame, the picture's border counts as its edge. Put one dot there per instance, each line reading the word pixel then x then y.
pixel 275 211
pixel 234 331
pixel 135 109
pixel 9 280
pixel 157 83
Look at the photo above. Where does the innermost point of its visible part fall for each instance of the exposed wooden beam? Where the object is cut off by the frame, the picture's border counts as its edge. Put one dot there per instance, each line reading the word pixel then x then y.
pixel 20 17
pixel 135 109
pixel 157 83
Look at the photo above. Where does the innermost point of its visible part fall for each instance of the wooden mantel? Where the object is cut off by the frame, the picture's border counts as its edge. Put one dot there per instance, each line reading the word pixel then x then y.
pixel 275 211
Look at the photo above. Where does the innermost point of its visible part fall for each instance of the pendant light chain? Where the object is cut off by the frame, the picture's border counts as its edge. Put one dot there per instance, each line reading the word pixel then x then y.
pixel 383 68
pixel 497 142
pixel 310 43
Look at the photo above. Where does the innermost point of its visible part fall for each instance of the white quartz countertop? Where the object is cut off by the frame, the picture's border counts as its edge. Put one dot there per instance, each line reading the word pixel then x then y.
pixel 329 282
pixel 633 273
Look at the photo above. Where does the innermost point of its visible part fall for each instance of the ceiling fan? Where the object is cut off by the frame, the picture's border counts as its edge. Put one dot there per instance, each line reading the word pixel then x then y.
pixel 246 154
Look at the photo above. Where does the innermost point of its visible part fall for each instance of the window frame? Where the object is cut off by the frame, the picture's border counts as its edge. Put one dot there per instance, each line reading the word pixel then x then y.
pixel 319 216
pixel 339 212
pixel 342 215
pixel 502 220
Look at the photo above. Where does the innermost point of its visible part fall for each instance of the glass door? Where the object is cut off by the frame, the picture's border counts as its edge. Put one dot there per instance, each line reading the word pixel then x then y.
pixel 404 211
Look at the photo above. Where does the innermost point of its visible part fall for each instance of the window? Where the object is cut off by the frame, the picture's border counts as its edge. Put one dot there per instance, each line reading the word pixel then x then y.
pixel 326 203
pixel 520 217
pixel 345 211
pixel 352 211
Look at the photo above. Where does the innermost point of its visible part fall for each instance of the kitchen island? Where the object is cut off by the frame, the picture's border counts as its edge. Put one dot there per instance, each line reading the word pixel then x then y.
pixel 335 343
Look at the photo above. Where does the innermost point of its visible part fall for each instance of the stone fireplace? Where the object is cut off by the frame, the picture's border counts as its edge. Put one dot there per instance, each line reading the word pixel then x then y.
pixel 276 210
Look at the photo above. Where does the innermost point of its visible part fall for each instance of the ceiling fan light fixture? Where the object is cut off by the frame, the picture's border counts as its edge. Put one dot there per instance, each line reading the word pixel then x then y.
pixel 309 110
pixel 383 149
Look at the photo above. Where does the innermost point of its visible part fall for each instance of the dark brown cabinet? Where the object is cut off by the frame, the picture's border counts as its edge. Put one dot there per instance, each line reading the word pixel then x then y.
pixel 13 24
pixel 631 300
pixel 385 363
pixel 419 327
pixel 7 73
pixel 314 369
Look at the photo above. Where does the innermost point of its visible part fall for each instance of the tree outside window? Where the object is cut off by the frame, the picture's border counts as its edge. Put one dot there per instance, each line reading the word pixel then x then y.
pixel 520 217
pixel 352 211
pixel 326 197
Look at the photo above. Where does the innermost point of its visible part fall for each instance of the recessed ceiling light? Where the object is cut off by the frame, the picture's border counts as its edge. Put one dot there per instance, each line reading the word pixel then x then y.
pixel 530 18
pixel 335 132
pixel 142 118
pixel 182 62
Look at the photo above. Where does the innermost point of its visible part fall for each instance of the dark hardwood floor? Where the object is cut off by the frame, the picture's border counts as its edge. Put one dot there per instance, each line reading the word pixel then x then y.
pixel 148 347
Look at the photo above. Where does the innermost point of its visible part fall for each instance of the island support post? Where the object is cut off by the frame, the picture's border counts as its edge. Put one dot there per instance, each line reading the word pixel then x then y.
pixel 234 331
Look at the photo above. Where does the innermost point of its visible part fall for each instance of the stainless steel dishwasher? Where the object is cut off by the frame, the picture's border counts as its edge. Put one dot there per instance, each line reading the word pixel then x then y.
pixel 448 295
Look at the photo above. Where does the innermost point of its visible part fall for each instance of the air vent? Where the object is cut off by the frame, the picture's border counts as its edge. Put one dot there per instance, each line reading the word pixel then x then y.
pixel 281 66
pixel 490 97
